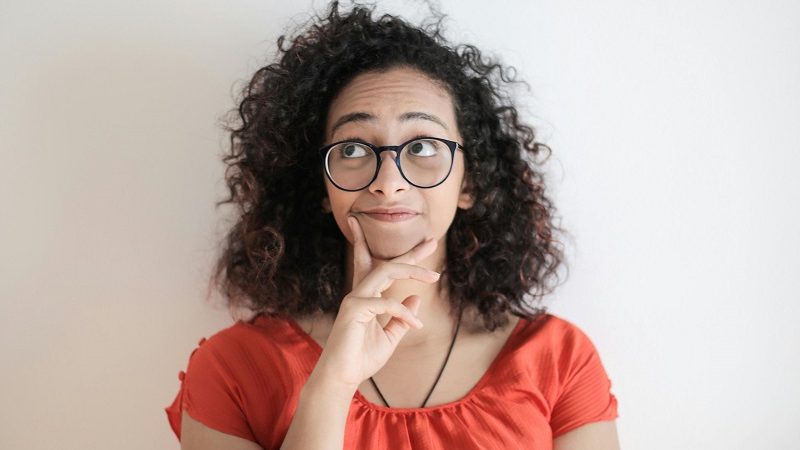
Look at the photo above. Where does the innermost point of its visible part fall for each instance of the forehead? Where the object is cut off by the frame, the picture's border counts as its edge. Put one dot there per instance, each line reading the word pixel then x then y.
pixel 388 96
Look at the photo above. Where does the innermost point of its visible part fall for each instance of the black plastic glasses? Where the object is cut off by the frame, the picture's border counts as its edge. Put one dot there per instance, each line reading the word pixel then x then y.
pixel 424 162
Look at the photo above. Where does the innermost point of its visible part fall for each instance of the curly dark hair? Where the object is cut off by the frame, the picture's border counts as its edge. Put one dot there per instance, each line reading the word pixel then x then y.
pixel 285 256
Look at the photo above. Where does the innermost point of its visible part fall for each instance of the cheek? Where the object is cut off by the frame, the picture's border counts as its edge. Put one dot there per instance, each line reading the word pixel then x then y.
pixel 335 197
pixel 341 203
pixel 444 203
pixel 442 208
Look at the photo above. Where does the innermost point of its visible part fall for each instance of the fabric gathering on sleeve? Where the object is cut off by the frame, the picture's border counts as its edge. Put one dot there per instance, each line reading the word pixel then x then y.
pixel 209 394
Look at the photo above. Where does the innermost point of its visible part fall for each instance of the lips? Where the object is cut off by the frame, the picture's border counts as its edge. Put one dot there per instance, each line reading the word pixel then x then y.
pixel 396 214
pixel 389 211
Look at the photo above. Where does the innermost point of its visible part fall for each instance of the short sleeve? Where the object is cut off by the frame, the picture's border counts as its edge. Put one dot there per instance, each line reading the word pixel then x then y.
pixel 585 394
pixel 209 394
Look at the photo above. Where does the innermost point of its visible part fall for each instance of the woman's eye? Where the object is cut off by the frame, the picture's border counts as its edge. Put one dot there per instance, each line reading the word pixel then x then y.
pixel 423 148
pixel 353 151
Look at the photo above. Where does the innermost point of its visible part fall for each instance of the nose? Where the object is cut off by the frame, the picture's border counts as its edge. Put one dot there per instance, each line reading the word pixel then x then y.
pixel 389 179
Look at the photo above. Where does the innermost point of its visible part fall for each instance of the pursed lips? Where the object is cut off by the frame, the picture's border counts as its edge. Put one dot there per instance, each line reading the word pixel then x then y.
pixel 390 214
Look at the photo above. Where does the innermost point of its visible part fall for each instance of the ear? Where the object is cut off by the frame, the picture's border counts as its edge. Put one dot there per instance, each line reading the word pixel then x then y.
pixel 326 204
pixel 465 198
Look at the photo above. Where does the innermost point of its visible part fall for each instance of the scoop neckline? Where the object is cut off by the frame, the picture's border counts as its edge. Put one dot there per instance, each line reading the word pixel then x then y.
pixel 466 398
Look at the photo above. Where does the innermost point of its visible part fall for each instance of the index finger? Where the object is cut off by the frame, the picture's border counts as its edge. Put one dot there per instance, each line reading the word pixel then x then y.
pixel 362 258
pixel 418 252
pixel 380 279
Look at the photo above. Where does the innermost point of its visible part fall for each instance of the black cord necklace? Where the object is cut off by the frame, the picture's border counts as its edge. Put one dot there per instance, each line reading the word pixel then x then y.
pixel 458 324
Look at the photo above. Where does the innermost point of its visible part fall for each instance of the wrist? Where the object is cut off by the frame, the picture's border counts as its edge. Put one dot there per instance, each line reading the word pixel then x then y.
pixel 318 382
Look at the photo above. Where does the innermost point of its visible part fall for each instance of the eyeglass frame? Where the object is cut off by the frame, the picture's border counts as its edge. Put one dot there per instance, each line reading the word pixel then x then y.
pixel 377 150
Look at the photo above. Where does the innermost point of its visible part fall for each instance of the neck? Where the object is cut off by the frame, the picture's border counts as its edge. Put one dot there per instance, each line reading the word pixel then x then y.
pixel 434 309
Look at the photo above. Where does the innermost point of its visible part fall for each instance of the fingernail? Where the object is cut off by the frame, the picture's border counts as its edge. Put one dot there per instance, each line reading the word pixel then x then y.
pixel 436 274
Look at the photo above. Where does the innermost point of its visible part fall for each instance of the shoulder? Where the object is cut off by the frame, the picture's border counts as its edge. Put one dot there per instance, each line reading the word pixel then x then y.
pixel 556 333
pixel 244 334
pixel 242 346
pixel 551 344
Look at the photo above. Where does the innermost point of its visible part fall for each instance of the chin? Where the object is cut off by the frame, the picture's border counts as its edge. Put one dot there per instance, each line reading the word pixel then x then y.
pixel 388 247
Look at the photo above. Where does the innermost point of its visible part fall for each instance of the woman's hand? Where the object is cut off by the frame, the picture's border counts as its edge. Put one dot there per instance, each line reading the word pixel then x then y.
pixel 358 346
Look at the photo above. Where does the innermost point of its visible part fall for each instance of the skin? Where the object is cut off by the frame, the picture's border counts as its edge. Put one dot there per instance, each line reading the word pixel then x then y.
pixel 386 96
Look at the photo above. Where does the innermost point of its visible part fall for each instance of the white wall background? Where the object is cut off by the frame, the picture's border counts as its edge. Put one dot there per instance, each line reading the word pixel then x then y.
pixel 675 132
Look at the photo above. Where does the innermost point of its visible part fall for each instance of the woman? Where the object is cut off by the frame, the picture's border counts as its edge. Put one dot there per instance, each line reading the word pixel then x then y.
pixel 391 240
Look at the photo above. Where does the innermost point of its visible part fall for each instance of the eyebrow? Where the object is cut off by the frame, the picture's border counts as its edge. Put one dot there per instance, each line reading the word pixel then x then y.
pixel 367 117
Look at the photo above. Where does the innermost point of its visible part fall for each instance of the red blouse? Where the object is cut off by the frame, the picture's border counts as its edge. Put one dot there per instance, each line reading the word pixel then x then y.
pixel 547 380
